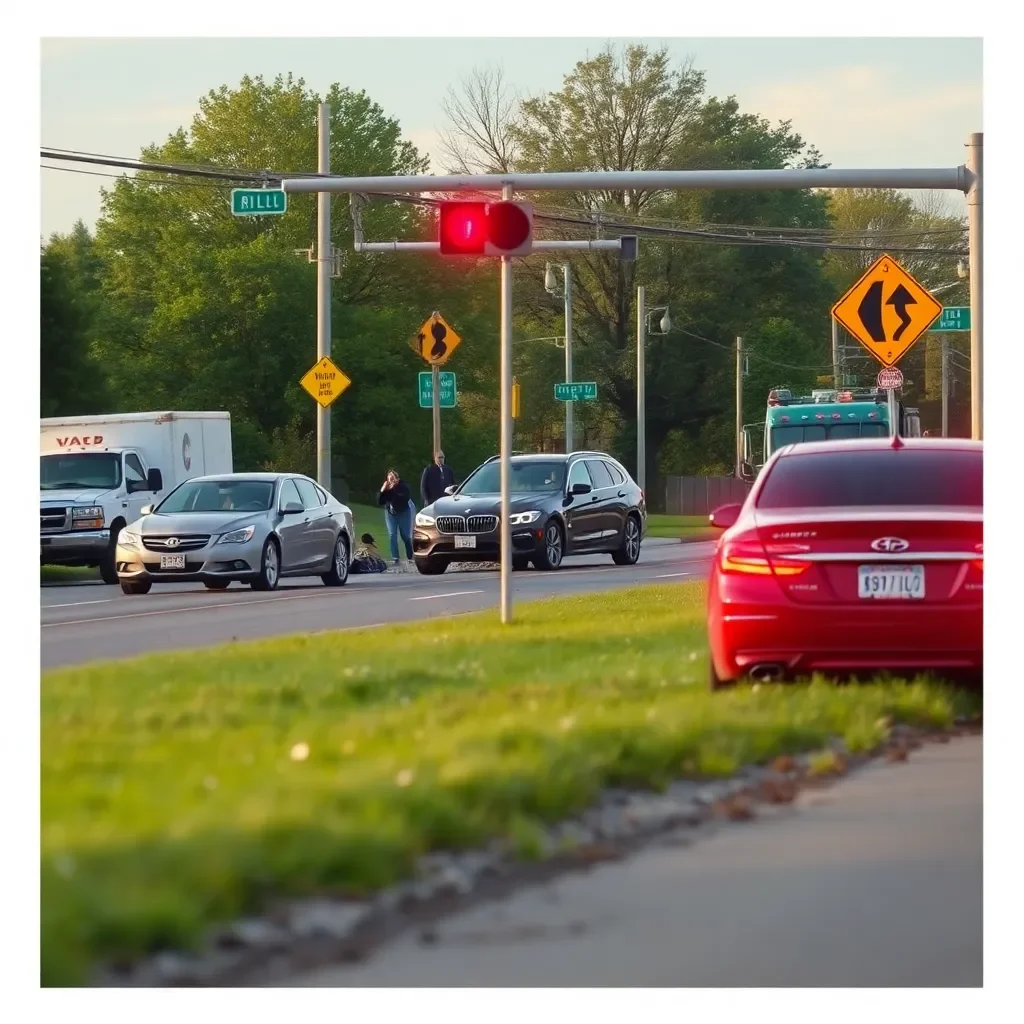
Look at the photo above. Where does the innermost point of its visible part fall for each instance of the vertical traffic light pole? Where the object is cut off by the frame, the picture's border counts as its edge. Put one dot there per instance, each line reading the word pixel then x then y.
pixel 641 397
pixel 324 264
pixel 506 429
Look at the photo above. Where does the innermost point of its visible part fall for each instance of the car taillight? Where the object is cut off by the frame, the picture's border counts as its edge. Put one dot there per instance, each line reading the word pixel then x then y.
pixel 749 556
pixel 979 562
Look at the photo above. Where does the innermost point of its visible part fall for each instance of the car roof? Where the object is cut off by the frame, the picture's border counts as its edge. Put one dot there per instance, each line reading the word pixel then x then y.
pixel 554 456
pixel 269 477
pixel 875 444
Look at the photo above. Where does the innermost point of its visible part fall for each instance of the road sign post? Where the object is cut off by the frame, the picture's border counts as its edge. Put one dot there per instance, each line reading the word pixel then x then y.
pixel 449 392
pixel 435 342
pixel 576 391
pixel 258 202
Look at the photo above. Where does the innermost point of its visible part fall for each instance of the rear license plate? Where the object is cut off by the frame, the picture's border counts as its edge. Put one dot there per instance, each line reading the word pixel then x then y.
pixel 891 582
pixel 172 561
pixel 465 542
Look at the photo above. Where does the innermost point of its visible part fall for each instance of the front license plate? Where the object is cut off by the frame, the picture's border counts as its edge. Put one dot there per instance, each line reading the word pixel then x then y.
pixel 891 582
pixel 465 542
pixel 172 561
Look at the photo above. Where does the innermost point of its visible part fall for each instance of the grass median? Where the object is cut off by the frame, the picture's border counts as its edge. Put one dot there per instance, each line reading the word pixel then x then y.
pixel 684 527
pixel 179 790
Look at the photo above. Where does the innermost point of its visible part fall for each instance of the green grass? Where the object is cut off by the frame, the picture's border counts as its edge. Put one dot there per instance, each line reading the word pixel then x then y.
pixel 66 574
pixel 175 794
pixel 370 519
pixel 687 527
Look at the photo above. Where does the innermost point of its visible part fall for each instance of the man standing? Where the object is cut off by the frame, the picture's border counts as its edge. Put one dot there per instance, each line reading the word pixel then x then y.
pixel 436 477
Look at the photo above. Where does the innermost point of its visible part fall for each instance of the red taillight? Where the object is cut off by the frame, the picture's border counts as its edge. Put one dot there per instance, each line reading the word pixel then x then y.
pixel 749 557
pixel 979 562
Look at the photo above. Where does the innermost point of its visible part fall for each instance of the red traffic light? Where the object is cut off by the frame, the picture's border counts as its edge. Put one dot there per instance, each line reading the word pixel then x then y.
pixel 485 229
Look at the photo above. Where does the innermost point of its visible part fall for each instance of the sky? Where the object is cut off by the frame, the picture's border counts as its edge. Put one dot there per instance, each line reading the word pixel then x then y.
pixel 869 102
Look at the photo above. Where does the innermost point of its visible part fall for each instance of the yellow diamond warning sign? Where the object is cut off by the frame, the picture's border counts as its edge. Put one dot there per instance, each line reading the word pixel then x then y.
pixel 887 310
pixel 325 382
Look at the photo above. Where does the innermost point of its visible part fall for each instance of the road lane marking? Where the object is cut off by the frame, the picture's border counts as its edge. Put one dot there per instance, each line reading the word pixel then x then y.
pixel 76 604
pixel 450 593
pixel 669 575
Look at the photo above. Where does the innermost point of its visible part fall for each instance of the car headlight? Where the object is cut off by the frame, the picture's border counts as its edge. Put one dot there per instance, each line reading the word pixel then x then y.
pixel 238 536
pixel 424 520
pixel 522 518
pixel 127 539
pixel 91 515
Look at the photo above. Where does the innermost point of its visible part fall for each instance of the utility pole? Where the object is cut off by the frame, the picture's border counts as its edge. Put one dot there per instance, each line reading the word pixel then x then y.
pixel 739 405
pixel 567 273
pixel 324 265
pixel 506 430
pixel 975 162
pixel 836 360
pixel 641 396
pixel 945 385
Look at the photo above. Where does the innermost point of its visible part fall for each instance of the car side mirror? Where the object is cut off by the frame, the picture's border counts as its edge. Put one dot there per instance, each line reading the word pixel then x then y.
pixel 580 489
pixel 451 488
pixel 746 471
pixel 725 516
pixel 146 510
pixel 155 480
pixel 292 508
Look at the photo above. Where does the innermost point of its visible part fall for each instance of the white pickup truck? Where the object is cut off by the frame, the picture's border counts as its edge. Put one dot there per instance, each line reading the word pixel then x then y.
pixel 97 472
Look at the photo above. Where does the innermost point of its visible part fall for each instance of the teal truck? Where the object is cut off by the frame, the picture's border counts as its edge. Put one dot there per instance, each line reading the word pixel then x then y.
pixel 825 415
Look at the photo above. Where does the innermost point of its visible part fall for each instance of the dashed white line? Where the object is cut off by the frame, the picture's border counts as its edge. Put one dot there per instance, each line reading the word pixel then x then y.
pixel 450 593
pixel 75 604
pixel 669 575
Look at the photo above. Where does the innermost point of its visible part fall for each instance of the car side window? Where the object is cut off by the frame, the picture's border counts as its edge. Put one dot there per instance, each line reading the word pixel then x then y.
pixel 307 492
pixel 617 477
pixel 134 475
pixel 600 475
pixel 289 493
pixel 578 475
pixel 321 494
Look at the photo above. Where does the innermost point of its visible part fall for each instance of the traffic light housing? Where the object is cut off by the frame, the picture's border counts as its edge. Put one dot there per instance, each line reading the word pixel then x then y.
pixel 485 229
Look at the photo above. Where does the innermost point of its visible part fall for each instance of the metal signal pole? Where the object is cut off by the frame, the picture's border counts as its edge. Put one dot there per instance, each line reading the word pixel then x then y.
pixel 506 429
pixel 739 406
pixel 324 264
pixel 975 162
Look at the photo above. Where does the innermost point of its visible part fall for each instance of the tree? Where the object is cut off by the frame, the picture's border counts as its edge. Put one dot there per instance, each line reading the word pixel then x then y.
pixel 72 382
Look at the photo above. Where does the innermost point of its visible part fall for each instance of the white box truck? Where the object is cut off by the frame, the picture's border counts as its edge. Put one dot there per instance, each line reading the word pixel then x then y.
pixel 97 472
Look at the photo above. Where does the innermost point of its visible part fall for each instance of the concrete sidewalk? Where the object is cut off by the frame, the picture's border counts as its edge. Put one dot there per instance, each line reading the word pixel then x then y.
pixel 876 881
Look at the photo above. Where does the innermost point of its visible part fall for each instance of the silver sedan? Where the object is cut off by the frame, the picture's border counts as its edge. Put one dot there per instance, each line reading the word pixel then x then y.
pixel 252 527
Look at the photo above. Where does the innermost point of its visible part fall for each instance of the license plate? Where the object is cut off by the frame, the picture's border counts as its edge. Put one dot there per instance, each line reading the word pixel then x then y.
pixel 891 582
pixel 465 542
pixel 172 561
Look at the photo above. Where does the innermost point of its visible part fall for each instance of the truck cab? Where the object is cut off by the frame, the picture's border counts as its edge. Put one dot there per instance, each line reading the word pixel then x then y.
pixel 97 473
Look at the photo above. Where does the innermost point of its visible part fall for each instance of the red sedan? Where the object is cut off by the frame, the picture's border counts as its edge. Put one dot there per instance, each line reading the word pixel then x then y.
pixel 852 557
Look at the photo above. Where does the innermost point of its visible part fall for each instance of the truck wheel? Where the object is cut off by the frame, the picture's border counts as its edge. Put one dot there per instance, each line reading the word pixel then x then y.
pixel 270 567
pixel 108 567
pixel 136 586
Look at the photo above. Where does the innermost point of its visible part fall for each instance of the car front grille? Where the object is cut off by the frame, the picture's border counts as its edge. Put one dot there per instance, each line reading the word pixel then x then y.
pixel 459 524
pixel 53 519
pixel 190 542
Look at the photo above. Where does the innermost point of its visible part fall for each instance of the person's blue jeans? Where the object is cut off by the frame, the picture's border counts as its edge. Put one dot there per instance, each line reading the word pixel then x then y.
pixel 400 524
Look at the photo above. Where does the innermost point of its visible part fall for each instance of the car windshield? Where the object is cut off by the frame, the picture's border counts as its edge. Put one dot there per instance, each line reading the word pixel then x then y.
pixel 99 471
pixel 882 477
pixel 804 433
pixel 527 477
pixel 219 496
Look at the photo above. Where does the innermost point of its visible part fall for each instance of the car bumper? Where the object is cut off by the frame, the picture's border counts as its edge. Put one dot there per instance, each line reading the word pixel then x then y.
pixel 845 638
pixel 526 540
pixel 76 546
pixel 213 562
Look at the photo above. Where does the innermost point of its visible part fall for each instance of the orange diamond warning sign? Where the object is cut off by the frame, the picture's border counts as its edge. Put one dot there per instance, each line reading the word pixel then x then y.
pixel 887 310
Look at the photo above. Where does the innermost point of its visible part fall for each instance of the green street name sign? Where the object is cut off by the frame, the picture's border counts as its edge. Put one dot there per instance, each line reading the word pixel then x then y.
pixel 953 318
pixel 448 392
pixel 255 202
pixel 576 392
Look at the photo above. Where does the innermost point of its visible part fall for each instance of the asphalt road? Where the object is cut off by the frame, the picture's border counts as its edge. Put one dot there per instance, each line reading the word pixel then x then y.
pixel 89 621
pixel 874 882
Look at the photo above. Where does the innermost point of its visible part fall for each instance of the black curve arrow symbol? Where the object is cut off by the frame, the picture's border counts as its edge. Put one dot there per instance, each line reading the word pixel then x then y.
pixel 440 332
pixel 870 312
pixel 899 300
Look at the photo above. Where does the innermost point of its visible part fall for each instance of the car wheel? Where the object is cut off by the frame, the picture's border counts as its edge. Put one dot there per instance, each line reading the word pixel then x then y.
pixel 216 584
pixel 136 586
pixel 550 555
pixel 520 562
pixel 338 574
pixel 629 551
pixel 270 567
pixel 108 564
pixel 714 681
pixel 431 566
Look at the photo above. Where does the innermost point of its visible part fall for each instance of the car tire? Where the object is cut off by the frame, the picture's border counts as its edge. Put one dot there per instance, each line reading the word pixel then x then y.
pixel 431 566
pixel 337 576
pixel 628 552
pixel 520 562
pixel 108 564
pixel 136 586
pixel 216 584
pixel 552 551
pixel 270 567
pixel 715 683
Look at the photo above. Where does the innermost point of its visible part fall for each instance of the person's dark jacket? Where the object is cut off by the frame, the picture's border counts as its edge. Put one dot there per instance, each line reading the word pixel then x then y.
pixel 434 480
pixel 395 499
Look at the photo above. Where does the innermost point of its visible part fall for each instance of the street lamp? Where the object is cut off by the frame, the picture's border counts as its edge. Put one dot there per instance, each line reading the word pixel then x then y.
pixel 551 287
pixel 643 328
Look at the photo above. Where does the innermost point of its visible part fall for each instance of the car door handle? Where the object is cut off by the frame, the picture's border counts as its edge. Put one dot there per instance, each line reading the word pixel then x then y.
pixel 622 494
pixel 594 498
